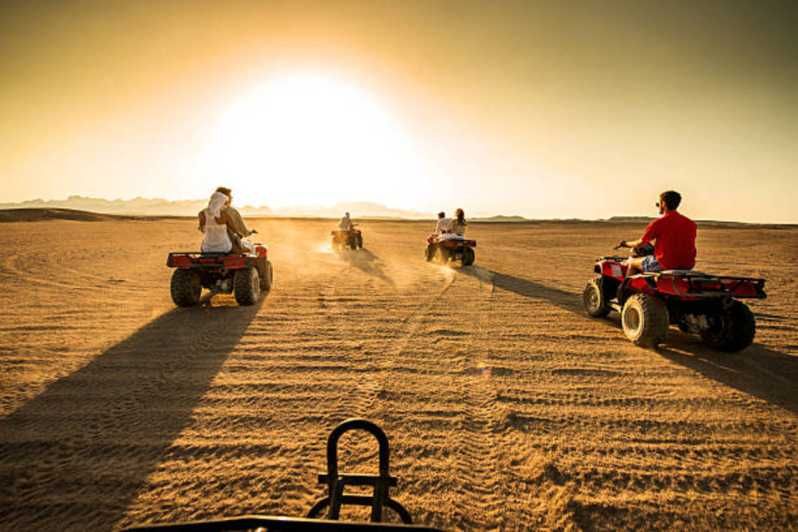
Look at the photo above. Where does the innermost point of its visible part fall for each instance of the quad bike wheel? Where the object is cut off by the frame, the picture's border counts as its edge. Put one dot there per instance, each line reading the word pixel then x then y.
pixel 594 299
pixel 429 252
pixel 359 240
pixel 645 320
pixel 442 255
pixel 266 277
pixel 468 256
pixel 732 328
pixel 186 288
pixel 246 286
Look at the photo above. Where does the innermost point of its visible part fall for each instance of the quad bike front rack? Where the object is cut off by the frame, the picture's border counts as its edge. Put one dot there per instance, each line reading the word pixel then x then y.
pixel 336 482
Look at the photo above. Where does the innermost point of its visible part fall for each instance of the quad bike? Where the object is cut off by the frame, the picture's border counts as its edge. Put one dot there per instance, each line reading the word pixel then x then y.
pixel 335 483
pixel 449 250
pixel 352 239
pixel 698 303
pixel 247 276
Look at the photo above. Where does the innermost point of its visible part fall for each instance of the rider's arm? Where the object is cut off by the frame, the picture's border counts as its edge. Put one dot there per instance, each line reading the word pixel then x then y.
pixel 630 243
pixel 650 234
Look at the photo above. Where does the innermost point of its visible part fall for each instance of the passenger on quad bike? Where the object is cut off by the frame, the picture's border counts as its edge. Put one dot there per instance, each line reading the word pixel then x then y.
pixel 458 226
pixel 215 238
pixel 674 240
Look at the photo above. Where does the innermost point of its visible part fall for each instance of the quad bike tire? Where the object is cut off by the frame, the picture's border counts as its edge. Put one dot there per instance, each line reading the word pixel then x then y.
pixel 442 255
pixel 735 328
pixel 186 288
pixel 644 319
pixel 266 276
pixel 468 257
pixel 429 253
pixel 246 286
pixel 359 241
pixel 594 299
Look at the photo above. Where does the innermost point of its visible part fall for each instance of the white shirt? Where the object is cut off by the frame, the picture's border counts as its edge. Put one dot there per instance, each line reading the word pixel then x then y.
pixel 443 225
pixel 216 238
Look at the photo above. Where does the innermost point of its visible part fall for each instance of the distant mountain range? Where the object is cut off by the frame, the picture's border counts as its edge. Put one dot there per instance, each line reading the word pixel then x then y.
pixel 162 207
pixel 156 207
pixel 358 209
pixel 133 207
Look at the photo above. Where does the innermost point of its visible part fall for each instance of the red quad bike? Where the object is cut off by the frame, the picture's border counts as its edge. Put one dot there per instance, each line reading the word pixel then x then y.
pixel 247 276
pixel 450 249
pixel 352 239
pixel 699 303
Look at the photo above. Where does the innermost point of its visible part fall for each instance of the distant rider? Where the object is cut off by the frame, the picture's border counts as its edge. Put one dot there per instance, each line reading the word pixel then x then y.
pixel 346 223
pixel 674 240
pixel 459 224
pixel 443 224
pixel 456 228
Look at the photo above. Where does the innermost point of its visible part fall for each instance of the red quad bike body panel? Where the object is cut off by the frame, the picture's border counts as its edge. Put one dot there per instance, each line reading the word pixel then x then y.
pixel 344 234
pixel 186 260
pixel 453 244
pixel 693 286
pixel 611 268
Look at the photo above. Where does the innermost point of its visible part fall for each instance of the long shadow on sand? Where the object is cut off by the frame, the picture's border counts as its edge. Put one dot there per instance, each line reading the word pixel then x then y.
pixel 759 371
pixel 75 456
pixel 367 262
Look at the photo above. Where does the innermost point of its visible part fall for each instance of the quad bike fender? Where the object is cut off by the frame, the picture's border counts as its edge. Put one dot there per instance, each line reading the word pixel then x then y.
pixel 636 284
pixel 611 268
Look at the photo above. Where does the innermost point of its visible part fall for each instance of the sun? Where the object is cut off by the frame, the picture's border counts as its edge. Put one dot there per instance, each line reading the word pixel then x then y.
pixel 309 139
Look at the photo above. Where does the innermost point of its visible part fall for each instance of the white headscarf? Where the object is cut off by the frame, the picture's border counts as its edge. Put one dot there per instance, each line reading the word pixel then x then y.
pixel 216 203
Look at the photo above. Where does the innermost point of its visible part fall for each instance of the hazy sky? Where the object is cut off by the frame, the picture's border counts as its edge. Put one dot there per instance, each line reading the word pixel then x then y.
pixel 546 109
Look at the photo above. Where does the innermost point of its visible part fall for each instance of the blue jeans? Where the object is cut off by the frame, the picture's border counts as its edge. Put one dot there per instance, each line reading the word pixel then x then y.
pixel 650 264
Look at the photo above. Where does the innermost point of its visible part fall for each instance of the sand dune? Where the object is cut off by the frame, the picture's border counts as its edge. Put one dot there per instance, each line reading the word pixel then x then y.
pixel 506 407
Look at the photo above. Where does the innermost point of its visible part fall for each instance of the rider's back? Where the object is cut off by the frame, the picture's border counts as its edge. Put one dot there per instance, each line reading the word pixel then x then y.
pixel 215 239
pixel 675 236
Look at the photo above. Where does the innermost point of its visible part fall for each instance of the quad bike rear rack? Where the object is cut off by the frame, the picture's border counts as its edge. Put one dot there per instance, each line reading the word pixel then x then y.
pixel 230 261
pixel 334 501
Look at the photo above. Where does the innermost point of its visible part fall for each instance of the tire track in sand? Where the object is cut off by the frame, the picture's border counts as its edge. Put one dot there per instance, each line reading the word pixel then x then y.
pixel 480 500
pixel 367 393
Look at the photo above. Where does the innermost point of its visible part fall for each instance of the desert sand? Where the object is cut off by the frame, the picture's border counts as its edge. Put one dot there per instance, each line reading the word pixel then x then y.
pixel 506 407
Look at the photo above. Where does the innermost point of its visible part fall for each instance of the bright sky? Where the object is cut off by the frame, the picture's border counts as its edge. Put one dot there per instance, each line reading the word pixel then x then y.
pixel 546 109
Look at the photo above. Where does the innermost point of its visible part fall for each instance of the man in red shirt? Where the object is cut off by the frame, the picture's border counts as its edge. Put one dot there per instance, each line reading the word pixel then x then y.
pixel 674 239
